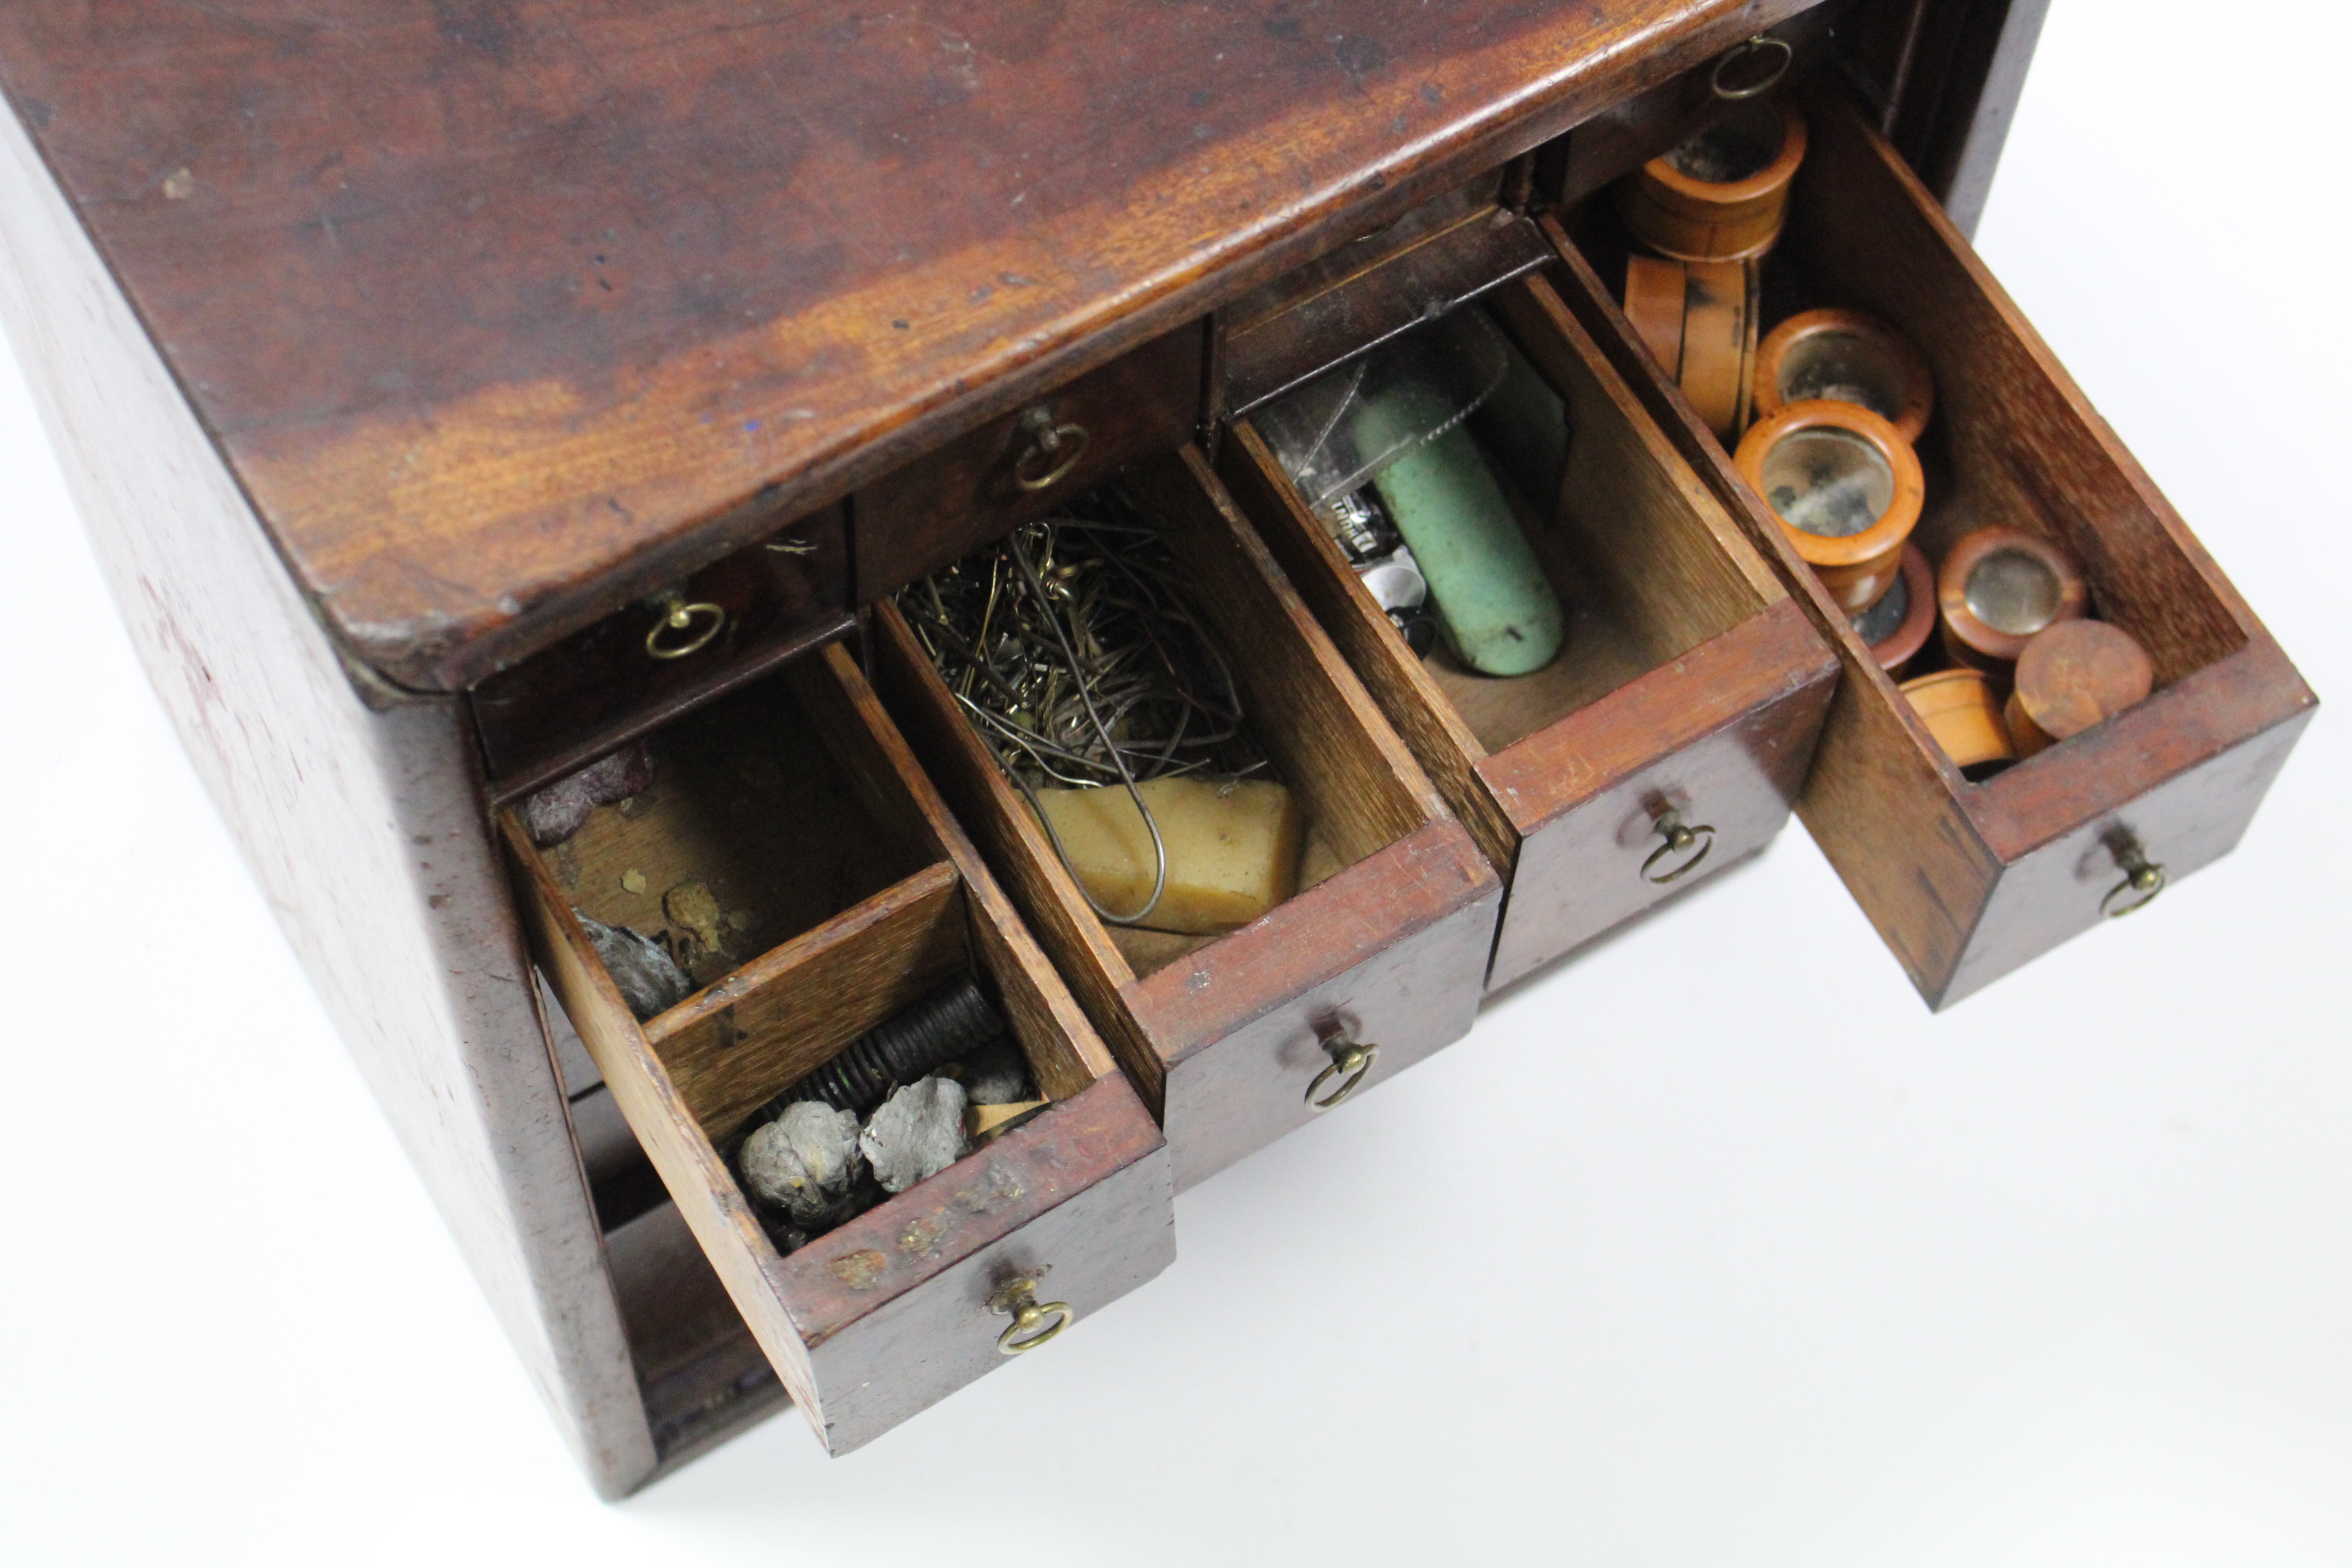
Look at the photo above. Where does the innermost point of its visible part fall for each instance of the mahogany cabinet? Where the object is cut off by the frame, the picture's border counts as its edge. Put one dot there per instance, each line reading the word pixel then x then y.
pixel 454 397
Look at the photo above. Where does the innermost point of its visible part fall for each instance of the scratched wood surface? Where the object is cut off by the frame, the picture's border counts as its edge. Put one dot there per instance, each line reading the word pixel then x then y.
pixel 503 312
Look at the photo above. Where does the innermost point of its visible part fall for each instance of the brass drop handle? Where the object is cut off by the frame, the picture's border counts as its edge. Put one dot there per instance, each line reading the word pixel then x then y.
pixel 2142 878
pixel 683 628
pixel 1350 1061
pixel 1054 450
pixel 1018 1300
pixel 1678 841
pixel 1754 49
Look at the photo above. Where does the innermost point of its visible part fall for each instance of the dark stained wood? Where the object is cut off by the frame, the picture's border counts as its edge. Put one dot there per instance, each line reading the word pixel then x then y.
pixel 943 506
pixel 503 317
pixel 1689 682
pixel 1346 946
pixel 1966 881
pixel 598 688
pixel 702 1375
pixel 1436 256
pixel 1093 1168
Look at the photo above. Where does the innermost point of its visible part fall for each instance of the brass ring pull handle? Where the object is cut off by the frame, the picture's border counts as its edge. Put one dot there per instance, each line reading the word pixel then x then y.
pixel 1053 451
pixel 2142 878
pixel 1678 841
pixel 1027 1330
pixel 684 628
pixel 1349 1060
pixel 1758 45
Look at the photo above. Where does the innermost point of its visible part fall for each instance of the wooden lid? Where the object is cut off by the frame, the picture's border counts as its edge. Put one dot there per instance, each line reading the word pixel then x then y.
pixel 502 316
pixel 2079 672
pixel 1834 465
pixel 1848 357
pixel 1998 586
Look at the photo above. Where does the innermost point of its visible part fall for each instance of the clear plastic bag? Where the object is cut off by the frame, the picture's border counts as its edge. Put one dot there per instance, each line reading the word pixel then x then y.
pixel 1428 381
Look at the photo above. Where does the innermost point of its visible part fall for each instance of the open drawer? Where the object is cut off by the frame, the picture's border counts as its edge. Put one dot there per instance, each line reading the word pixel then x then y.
pixel 1968 880
pixel 847 894
pixel 1688 692
pixel 1382 949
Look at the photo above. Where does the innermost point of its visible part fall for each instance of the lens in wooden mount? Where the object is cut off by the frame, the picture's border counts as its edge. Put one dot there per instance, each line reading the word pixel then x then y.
pixel 1846 487
pixel 1895 628
pixel 2071 676
pixel 1998 587
pixel 1958 708
pixel 1845 356
pixel 1722 195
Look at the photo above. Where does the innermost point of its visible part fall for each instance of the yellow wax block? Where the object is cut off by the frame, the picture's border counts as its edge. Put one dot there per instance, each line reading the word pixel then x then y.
pixel 1233 849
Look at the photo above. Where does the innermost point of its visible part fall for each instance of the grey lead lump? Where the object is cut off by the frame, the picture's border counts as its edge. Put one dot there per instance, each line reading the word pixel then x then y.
pixel 648 977
pixel 917 1134
pixel 806 1162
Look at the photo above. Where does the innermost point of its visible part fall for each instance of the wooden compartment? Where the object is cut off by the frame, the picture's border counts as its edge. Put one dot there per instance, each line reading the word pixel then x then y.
pixel 1688 694
pixel 916 519
pixel 741 617
pixel 1966 881
pixel 1223 1035
pixel 850 893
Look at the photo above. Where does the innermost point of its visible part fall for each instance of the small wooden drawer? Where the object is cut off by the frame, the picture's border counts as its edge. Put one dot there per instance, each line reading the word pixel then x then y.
pixel 626 674
pixel 849 894
pixel 1966 881
pixel 918 518
pixel 1225 1035
pixel 1688 692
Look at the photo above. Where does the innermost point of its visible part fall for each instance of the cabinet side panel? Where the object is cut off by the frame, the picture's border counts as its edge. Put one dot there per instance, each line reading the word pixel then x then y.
pixel 365 829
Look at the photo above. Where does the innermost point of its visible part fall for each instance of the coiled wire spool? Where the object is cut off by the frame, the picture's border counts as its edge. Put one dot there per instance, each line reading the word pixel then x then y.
pixel 916 1040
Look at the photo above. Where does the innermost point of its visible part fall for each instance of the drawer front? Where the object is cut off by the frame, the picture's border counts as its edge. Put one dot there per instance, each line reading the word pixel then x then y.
pixel 872 1320
pixel 1022 465
pixel 622 676
pixel 1408 992
pixel 1688 692
pixel 1396 937
pixel 1718 742
pixel 1967 880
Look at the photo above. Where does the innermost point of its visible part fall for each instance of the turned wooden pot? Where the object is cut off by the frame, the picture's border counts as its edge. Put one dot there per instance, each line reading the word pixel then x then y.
pixel 1998 587
pixel 1846 487
pixel 1845 356
pixel 1699 321
pixel 1895 628
pixel 1722 195
pixel 1959 709
pixel 2070 678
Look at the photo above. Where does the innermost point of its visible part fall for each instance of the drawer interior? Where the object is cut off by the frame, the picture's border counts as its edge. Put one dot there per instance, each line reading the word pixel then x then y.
pixel 1385 940
pixel 1966 879
pixel 844 895
pixel 1352 799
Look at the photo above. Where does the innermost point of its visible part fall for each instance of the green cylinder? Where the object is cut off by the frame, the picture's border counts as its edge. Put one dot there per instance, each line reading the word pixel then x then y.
pixel 1495 606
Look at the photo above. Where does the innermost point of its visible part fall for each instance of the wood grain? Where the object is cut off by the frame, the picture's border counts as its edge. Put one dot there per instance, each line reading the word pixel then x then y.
pixel 612 289
pixel 1930 856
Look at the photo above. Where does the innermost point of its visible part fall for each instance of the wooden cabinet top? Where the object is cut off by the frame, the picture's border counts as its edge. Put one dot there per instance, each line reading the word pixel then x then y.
pixel 505 312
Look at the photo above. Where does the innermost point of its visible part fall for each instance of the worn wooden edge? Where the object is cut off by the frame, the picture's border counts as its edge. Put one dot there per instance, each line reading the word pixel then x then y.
pixel 447 652
pixel 1768 657
pixel 704 1191
pixel 992 1193
pixel 1422 880
pixel 1313 700
pixel 918 911
pixel 1400 683
pixel 530 772
pixel 1535 316
pixel 1032 988
pixel 1040 886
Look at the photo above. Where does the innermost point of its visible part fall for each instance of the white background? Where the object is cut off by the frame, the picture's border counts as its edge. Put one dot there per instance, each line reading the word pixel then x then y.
pixel 1713 1248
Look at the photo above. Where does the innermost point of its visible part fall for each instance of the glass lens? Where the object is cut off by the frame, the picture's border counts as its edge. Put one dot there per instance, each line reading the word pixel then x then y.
pixel 2012 592
pixel 1828 482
